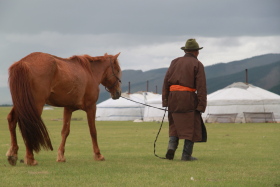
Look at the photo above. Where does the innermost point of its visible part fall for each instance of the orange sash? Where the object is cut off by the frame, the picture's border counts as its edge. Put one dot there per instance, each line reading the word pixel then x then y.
pixel 181 88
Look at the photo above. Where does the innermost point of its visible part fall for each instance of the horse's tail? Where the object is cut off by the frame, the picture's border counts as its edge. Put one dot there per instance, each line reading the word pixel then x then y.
pixel 32 127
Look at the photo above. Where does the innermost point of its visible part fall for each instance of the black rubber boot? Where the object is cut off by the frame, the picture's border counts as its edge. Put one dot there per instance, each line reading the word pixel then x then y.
pixel 172 146
pixel 187 151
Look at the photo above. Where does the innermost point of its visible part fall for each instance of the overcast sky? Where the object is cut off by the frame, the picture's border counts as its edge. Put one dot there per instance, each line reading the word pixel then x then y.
pixel 148 33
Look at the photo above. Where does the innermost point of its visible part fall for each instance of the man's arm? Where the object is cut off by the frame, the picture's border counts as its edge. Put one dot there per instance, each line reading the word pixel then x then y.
pixel 201 88
pixel 165 91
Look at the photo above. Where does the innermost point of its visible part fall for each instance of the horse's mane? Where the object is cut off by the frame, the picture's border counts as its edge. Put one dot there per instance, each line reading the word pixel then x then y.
pixel 85 60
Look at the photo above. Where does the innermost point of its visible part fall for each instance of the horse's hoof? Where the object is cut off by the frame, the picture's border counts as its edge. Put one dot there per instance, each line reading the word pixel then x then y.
pixel 60 156
pixel 99 158
pixel 61 160
pixel 12 160
pixel 30 162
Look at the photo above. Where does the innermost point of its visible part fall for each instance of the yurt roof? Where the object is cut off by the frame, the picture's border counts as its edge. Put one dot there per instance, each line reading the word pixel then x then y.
pixel 241 93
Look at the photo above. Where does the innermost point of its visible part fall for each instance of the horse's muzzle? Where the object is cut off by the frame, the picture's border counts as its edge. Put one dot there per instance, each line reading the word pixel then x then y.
pixel 116 95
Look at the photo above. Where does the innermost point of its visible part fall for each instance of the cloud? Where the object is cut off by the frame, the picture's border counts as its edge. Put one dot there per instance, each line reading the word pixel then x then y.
pixel 147 17
pixel 228 49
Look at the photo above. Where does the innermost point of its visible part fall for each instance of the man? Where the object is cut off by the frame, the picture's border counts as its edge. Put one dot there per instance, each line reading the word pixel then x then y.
pixel 184 92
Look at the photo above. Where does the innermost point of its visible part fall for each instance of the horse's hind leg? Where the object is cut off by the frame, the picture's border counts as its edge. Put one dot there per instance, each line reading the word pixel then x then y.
pixel 29 156
pixel 64 134
pixel 13 150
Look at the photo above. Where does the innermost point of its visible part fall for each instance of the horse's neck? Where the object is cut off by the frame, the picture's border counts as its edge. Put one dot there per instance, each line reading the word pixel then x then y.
pixel 98 69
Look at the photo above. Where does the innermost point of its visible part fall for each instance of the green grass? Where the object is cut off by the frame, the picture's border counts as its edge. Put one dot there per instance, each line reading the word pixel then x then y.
pixel 235 155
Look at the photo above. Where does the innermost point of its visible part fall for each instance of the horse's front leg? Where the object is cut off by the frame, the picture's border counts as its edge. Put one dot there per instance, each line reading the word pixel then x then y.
pixel 64 134
pixel 93 134
pixel 13 150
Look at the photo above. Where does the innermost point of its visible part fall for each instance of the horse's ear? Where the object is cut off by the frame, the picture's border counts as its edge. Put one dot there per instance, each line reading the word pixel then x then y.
pixel 116 56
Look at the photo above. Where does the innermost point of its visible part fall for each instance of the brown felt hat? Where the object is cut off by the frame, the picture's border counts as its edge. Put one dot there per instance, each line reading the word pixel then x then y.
pixel 191 45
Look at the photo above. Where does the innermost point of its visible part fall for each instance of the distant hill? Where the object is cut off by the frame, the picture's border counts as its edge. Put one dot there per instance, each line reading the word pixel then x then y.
pixel 276 89
pixel 222 69
pixel 266 77
pixel 263 71
pixel 5 97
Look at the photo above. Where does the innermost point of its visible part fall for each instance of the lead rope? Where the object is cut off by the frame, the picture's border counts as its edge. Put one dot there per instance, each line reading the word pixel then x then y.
pixel 160 124
pixel 144 104
pixel 157 136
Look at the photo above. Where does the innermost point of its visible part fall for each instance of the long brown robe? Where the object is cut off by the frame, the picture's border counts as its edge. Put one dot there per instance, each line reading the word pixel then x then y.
pixel 184 107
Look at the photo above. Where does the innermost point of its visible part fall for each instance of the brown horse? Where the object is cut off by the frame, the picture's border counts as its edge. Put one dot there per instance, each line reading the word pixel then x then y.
pixel 72 83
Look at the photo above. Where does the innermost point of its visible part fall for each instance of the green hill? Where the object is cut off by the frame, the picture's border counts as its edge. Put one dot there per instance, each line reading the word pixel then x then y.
pixel 222 69
pixel 266 77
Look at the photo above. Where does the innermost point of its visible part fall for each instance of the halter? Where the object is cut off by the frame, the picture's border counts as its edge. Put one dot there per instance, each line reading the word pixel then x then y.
pixel 113 74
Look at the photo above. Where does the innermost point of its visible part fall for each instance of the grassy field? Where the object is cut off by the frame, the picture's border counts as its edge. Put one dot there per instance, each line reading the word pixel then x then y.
pixel 235 155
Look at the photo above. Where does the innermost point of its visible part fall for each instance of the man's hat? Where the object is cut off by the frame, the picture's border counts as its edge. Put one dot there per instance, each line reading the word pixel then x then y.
pixel 191 45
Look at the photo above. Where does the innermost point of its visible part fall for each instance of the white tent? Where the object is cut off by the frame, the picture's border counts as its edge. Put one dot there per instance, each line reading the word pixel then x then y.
pixel 155 114
pixel 123 109
pixel 238 98
pixel 48 108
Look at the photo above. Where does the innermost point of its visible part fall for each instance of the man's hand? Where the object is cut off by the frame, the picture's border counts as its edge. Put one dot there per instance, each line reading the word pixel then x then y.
pixel 165 103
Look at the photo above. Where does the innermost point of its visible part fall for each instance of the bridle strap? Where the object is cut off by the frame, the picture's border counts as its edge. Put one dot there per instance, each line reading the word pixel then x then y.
pixel 113 74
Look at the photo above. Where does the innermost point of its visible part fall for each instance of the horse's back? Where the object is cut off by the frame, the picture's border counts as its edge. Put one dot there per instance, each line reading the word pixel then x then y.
pixel 37 63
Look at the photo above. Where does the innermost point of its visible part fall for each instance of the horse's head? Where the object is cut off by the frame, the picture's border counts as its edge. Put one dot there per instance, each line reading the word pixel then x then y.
pixel 112 77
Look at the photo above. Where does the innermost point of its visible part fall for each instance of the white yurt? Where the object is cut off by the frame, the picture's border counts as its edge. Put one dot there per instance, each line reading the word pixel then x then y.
pixel 124 109
pixel 241 103
pixel 156 112
pixel 48 107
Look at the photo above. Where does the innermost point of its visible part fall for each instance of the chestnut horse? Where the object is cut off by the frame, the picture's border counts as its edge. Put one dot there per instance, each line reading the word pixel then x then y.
pixel 72 83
